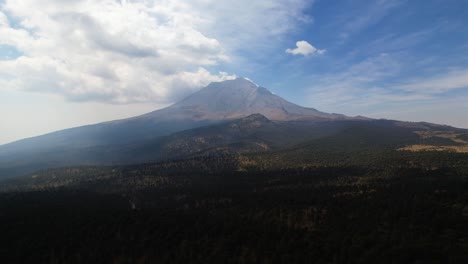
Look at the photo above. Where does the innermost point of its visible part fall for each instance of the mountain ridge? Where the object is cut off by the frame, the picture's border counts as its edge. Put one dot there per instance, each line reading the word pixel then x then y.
pixel 207 106
pixel 269 122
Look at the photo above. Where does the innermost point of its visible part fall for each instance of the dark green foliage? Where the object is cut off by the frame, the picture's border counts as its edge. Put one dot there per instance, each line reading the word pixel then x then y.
pixel 397 207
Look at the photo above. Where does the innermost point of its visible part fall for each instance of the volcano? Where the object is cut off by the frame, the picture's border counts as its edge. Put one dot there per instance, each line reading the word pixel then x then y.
pixel 204 121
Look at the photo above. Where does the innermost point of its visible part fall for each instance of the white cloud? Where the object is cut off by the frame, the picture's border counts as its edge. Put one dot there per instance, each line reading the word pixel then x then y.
pixel 305 48
pixel 133 51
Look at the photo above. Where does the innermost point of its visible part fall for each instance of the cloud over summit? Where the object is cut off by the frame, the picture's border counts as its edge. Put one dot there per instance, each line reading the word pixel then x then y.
pixel 104 50
pixel 130 51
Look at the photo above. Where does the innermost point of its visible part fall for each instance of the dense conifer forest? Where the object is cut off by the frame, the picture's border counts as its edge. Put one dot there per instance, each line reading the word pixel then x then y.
pixel 361 207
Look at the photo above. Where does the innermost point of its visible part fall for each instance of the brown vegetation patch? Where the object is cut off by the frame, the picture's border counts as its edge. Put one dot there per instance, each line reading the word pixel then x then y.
pixel 415 148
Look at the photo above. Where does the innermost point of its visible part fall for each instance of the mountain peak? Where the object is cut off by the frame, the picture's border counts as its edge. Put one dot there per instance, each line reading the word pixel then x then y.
pixel 238 83
pixel 249 80
pixel 237 98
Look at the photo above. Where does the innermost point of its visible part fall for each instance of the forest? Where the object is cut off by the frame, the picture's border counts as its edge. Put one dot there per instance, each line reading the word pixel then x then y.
pixel 400 207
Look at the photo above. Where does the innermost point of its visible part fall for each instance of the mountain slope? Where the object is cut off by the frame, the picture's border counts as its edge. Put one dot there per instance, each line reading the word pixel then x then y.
pixel 90 144
pixel 233 116
pixel 254 133
pixel 216 102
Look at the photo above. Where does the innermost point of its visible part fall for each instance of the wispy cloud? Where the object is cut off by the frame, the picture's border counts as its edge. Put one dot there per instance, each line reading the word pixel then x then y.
pixel 441 83
pixel 361 16
pixel 396 42
pixel 375 85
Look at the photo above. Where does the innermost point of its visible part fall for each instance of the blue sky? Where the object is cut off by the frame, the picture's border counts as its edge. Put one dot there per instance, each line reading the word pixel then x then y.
pixel 70 63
